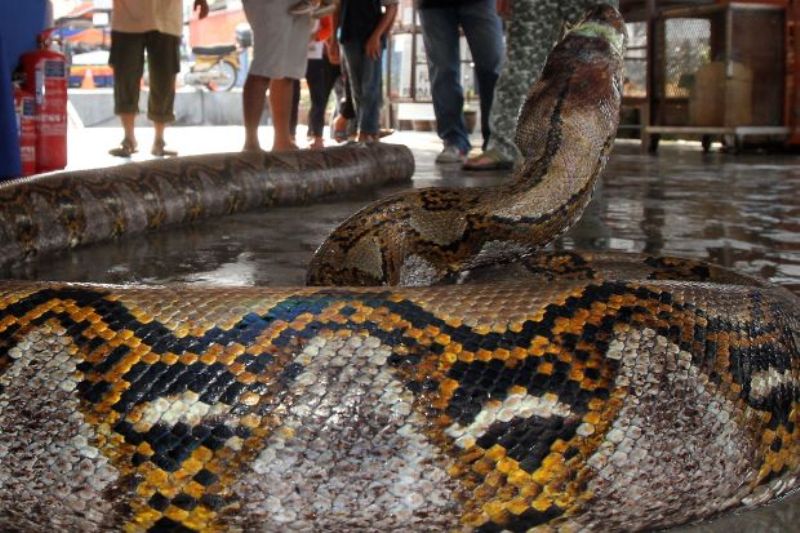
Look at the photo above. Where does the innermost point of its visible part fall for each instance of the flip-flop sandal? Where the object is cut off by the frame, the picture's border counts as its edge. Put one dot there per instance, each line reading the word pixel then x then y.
pixel 340 136
pixel 125 149
pixel 385 132
pixel 159 150
pixel 488 160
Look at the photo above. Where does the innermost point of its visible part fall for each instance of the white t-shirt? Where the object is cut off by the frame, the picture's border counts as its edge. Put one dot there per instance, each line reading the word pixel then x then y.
pixel 139 16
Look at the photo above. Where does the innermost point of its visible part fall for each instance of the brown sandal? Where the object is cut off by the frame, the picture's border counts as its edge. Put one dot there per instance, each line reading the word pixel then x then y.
pixel 489 160
pixel 125 149
pixel 159 150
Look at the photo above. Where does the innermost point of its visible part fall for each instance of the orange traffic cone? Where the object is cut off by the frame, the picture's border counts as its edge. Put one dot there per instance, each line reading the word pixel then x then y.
pixel 88 80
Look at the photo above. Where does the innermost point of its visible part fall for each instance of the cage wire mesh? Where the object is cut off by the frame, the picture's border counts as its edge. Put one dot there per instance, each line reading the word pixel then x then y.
pixel 744 39
pixel 687 49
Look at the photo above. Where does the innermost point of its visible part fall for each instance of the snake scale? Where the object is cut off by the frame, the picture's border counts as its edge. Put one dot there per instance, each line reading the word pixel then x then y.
pixel 563 391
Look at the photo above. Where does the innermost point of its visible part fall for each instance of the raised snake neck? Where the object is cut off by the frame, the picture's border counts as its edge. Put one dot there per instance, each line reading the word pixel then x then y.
pixel 566 130
pixel 568 391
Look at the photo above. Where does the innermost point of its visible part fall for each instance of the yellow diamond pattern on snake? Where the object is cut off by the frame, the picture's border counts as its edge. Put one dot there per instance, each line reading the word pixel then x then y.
pixel 158 439
pixel 565 390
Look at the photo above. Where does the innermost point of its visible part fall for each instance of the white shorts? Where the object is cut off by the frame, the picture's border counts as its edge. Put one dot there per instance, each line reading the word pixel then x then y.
pixel 280 40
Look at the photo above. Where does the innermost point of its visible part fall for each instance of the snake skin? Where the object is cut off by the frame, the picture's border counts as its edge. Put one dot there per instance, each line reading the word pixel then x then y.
pixel 531 30
pixel 57 211
pixel 564 392
pixel 565 132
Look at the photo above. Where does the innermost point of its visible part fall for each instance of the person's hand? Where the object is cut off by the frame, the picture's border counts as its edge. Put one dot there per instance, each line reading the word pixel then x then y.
pixel 201 6
pixel 504 8
pixel 373 47
pixel 334 53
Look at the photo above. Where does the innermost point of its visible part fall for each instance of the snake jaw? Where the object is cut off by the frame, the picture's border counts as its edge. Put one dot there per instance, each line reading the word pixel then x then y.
pixel 604 22
pixel 602 31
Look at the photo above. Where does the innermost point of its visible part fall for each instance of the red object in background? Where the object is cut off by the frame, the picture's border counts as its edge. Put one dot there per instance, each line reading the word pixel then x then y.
pixel 46 77
pixel 25 106
pixel 91 37
pixel 325 28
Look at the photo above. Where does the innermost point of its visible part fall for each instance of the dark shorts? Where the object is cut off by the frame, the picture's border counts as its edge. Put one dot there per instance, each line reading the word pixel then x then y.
pixel 163 63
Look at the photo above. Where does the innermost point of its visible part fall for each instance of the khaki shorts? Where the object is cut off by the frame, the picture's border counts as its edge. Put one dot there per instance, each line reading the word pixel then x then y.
pixel 163 63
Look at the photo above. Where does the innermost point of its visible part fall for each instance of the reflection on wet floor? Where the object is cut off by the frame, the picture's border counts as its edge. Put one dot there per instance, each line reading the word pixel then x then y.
pixel 737 211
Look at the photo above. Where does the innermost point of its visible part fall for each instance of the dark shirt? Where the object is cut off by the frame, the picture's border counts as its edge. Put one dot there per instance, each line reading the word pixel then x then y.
pixel 358 19
pixel 429 4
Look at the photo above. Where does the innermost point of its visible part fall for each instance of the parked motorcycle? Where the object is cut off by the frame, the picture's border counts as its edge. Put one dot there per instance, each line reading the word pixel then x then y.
pixel 218 67
pixel 215 67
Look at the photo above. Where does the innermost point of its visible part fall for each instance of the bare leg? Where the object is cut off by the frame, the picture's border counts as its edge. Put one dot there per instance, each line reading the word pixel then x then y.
pixel 340 128
pixel 127 120
pixel 128 144
pixel 159 133
pixel 254 96
pixel 317 143
pixel 280 101
pixel 159 143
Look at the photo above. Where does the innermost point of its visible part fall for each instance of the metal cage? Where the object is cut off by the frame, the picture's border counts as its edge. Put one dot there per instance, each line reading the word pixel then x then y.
pixel 720 66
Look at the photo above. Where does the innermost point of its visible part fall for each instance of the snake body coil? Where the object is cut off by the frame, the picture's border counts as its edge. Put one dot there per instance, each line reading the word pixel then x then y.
pixel 565 391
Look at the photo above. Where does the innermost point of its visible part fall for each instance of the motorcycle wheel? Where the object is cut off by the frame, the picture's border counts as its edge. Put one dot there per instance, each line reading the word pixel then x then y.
pixel 226 79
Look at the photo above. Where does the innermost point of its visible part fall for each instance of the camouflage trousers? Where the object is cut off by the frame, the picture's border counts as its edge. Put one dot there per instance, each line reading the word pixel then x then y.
pixel 531 31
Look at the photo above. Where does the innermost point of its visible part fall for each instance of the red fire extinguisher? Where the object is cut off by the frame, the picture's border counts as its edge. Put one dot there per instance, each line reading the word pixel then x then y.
pixel 25 106
pixel 46 77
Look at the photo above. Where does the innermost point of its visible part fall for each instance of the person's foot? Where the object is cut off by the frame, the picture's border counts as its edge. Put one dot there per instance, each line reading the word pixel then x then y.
pixel 368 138
pixel 125 149
pixel 451 154
pixel 317 144
pixel 159 149
pixel 491 159
pixel 303 7
pixel 284 147
pixel 339 129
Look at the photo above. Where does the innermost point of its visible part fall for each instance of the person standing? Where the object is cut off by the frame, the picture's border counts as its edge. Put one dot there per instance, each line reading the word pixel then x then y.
pixel 280 44
pixel 441 21
pixel 533 27
pixel 363 27
pixel 321 76
pixel 155 27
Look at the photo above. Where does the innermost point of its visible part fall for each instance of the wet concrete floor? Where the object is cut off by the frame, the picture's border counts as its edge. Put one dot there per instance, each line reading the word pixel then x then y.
pixel 738 211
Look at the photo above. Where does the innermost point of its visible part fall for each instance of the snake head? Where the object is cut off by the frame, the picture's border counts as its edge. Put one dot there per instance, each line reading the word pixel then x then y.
pixel 606 22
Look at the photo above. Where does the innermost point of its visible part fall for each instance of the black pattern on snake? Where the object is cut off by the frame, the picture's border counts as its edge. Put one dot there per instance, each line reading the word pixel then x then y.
pixel 566 391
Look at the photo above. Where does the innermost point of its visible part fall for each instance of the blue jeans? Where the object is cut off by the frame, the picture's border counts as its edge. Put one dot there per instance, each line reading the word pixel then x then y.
pixel 484 33
pixel 365 82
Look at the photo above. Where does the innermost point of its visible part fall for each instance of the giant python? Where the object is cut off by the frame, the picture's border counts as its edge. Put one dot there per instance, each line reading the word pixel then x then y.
pixel 563 391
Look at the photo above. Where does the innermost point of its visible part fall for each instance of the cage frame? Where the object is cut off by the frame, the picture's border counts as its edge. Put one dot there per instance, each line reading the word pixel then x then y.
pixel 731 136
